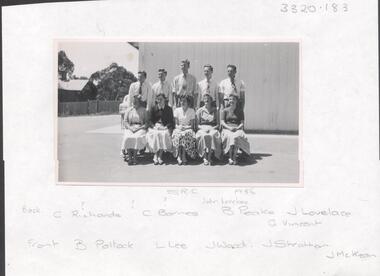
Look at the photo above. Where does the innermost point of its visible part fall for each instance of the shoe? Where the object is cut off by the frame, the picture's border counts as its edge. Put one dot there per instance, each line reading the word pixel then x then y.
pixel 235 162
pixel 160 161
pixel 179 161
pixel 155 161
pixel 205 162
pixel 230 161
pixel 123 154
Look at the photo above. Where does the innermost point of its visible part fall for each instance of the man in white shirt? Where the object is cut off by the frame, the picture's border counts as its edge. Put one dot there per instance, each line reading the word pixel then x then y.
pixel 185 84
pixel 142 87
pixel 231 85
pixel 162 87
pixel 208 86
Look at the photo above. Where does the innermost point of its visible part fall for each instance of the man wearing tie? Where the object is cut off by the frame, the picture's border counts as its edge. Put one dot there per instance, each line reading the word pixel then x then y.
pixel 162 87
pixel 208 86
pixel 231 85
pixel 141 87
pixel 185 84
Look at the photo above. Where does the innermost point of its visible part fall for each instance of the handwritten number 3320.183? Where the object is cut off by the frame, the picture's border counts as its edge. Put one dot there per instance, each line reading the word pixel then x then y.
pixel 333 7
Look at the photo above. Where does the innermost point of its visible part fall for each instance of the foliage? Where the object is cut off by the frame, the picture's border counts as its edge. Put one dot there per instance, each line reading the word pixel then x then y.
pixel 113 82
pixel 65 66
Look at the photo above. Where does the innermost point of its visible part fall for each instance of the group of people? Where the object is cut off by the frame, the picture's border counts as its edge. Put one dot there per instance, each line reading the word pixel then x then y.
pixel 187 118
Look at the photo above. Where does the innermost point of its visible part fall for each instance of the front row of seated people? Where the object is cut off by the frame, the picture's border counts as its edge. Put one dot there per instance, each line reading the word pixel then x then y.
pixel 184 132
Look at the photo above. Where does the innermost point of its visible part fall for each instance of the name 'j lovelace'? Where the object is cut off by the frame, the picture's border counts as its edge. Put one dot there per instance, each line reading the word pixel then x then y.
pixel 323 212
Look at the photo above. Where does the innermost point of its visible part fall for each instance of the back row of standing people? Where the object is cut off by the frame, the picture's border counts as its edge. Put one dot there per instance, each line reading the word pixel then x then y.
pixel 185 84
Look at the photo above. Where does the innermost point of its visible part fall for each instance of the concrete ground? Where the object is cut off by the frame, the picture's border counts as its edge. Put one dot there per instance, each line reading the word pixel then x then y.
pixel 89 147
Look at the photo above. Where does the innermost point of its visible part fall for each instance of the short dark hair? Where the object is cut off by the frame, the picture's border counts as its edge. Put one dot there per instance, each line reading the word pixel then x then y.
pixel 186 97
pixel 186 61
pixel 138 97
pixel 161 94
pixel 142 73
pixel 232 66
pixel 234 96
pixel 209 66
pixel 162 70
pixel 206 95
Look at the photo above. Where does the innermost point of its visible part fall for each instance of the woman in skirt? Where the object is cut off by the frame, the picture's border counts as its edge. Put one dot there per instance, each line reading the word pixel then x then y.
pixel 183 135
pixel 208 137
pixel 233 136
pixel 161 124
pixel 135 121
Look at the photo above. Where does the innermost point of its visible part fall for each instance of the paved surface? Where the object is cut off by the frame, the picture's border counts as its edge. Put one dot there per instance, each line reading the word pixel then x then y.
pixel 89 147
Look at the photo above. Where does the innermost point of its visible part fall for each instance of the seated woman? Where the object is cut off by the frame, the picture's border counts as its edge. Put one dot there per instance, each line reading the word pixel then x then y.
pixel 135 120
pixel 208 137
pixel 233 136
pixel 183 135
pixel 161 124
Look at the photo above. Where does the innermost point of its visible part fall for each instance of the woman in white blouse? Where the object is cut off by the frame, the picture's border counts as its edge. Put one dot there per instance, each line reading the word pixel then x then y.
pixel 183 135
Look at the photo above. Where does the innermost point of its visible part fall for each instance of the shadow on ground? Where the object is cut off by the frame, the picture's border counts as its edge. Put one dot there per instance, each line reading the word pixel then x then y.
pixel 243 159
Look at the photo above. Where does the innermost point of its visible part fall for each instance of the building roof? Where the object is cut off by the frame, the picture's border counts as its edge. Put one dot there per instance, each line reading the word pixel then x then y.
pixel 134 44
pixel 75 85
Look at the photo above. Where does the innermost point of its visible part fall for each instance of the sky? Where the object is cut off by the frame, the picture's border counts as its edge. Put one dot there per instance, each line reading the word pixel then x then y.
pixel 91 56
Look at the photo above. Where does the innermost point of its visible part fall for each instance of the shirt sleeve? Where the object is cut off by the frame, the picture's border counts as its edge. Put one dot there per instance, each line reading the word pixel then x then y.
pixel 149 100
pixel 216 92
pixel 126 115
pixel 175 113
pixel 130 96
pixel 174 84
pixel 195 85
pixel 170 100
pixel 242 86
pixel 221 87
pixel 222 115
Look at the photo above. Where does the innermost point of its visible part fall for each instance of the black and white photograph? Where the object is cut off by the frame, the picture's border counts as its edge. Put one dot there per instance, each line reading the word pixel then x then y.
pixel 171 112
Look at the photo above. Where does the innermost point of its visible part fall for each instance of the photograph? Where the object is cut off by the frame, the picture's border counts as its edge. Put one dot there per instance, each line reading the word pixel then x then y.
pixel 202 113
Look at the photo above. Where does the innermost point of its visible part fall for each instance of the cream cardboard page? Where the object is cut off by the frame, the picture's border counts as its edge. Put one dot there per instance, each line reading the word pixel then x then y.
pixel 330 226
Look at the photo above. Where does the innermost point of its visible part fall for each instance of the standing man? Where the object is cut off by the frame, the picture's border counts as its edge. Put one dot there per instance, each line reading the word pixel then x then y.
pixel 163 87
pixel 208 86
pixel 185 84
pixel 231 85
pixel 141 87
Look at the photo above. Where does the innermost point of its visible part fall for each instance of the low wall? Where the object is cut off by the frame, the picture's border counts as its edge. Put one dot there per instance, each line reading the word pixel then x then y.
pixel 88 107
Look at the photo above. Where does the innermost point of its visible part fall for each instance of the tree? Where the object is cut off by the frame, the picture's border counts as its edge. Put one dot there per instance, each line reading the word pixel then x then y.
pixel 65 66
pixel 113 82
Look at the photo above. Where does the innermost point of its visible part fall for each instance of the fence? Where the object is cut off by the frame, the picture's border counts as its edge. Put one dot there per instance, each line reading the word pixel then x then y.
pixel 89 107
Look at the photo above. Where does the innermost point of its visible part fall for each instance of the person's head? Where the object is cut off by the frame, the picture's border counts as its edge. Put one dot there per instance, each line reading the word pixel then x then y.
pixel 160 99
pixel 162 74
pixel 141 76
pixel 233 100
pixel 185 101
pixel 137 101
pixel 231 70
pixel 207 99
pixel 207 70
pixel 185 65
